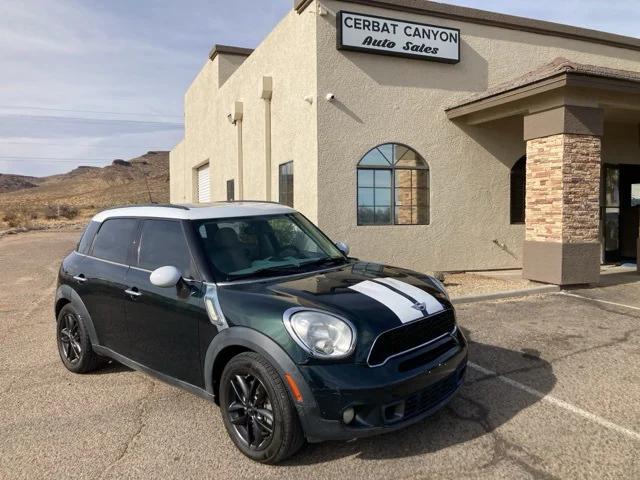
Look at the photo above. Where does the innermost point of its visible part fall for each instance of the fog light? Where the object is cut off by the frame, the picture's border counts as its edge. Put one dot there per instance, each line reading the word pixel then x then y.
pixel 348 415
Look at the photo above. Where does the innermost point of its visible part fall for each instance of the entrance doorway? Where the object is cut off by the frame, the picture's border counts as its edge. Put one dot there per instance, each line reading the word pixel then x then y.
pixel 621 212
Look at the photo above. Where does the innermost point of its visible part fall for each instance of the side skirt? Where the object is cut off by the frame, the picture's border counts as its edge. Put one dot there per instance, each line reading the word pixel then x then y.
pixel 107 352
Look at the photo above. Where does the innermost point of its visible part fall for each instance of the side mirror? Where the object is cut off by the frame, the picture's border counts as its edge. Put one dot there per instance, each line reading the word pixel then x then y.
pixel 343 247
pixel 165 277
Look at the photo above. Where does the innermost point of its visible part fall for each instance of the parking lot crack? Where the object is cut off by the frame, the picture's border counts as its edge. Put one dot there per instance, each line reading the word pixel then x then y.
pixel 504 450
pixel 142 412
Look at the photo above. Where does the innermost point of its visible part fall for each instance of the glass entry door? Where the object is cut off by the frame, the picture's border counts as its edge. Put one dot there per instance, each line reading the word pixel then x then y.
pixel 610 212
pixel 620 212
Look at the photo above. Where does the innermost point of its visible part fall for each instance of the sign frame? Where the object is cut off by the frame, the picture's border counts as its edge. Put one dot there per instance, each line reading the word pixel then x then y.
pixel 341 46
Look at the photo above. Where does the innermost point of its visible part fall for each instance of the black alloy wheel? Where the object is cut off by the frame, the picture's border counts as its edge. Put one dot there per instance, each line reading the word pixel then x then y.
pixel 74 345
pixel 250 411
pixel 69 338
pixel 258 410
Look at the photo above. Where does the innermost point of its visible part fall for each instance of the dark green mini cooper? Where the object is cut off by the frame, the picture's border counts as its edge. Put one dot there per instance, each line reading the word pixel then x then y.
pixel 250 305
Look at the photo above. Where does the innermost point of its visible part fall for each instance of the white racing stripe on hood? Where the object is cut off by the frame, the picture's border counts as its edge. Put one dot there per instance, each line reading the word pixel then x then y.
pixel 431 302
pixel 401 306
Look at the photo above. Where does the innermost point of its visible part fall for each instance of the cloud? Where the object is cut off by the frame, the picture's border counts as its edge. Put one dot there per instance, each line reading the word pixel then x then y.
pixel 117 56
pixel 48 126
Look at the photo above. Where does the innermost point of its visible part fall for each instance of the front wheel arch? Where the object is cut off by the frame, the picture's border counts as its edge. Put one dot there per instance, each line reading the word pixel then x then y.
pixel 221 361
pixel 234 340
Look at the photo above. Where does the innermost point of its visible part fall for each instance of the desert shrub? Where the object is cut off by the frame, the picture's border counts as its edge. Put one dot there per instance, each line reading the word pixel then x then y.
pixel 53 212
pixel 68 211
pixel 10 216
pixel 19 217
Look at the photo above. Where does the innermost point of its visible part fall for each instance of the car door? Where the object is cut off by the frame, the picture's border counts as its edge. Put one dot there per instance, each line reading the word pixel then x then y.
pixel 162 323
pixel 102 277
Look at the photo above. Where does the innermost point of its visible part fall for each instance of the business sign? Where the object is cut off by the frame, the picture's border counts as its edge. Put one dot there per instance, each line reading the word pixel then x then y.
pixel 387 36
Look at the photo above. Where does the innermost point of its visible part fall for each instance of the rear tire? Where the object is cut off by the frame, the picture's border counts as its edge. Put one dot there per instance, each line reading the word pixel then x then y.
pixel 258 411
pixel 74 344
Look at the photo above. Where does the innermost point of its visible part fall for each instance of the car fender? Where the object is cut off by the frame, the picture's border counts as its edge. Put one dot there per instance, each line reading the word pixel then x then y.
pixel 68 293
pixel 261 344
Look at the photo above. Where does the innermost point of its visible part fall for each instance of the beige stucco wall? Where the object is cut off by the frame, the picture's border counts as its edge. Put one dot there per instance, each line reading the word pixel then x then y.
pixel 288 55
pixel 621 143
pixel 387 99
pixel 177 177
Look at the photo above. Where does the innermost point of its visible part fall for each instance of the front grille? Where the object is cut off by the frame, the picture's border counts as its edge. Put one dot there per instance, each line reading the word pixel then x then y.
pixel 411 336
pixel 431 396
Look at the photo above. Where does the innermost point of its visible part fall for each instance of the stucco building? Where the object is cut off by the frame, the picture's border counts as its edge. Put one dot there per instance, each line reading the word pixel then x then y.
pixel 429 136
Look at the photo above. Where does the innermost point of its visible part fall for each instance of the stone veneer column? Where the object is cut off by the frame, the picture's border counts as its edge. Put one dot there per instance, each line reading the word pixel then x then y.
pixel 562 242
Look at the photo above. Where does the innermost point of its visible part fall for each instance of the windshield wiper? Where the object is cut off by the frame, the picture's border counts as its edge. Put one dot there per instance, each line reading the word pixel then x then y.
pixel 264 272
pixel 325 261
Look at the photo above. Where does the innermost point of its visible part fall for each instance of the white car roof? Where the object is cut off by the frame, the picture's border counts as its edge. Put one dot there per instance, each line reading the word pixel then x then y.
pixel 196 212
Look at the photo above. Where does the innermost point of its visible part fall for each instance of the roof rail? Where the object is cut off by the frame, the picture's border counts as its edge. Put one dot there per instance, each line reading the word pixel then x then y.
pixel 164 205
pixel 251 201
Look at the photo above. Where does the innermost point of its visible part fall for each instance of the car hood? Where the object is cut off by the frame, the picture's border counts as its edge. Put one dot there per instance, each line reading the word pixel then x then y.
pixel 373 297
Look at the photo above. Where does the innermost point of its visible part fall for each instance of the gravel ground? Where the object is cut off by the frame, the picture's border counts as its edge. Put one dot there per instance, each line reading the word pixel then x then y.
pixel 464 284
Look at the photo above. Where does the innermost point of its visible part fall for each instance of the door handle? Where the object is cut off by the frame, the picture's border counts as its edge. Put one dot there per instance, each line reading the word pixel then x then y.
pixel 80 278
pixel 133 292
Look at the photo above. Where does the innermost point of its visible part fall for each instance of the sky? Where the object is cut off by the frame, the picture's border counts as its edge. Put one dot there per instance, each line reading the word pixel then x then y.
pixel 83 82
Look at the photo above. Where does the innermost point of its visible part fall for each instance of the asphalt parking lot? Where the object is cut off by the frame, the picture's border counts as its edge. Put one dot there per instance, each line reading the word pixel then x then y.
pixel 553 392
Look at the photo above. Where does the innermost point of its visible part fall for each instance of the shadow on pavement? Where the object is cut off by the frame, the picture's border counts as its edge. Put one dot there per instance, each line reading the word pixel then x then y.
pixel 483 404
pixel 112 367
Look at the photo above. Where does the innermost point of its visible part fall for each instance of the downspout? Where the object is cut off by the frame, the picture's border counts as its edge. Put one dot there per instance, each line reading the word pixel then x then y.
pixel 266 95
pixel 240 161
pixel 236 119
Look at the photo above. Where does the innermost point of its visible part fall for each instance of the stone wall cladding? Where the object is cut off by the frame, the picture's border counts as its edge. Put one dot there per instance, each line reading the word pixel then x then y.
pixel 581 177
pixel 544 189
pixel 563 188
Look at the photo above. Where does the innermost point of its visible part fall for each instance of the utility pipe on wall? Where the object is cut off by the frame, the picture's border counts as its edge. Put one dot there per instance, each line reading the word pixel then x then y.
pixel 240 161
pixel 235 117
pixel 266 94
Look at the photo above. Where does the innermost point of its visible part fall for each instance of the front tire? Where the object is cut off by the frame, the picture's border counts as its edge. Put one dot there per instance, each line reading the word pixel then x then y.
pixel 257 410
pixel 74 345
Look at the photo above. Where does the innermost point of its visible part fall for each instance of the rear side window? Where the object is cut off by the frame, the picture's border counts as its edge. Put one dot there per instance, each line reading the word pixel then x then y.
pixel 162 243
pixel 114 239
pixel 87 237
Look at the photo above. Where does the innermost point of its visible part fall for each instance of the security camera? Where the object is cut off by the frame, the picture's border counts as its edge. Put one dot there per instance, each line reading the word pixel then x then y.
pixel 330 97
pixel 230 118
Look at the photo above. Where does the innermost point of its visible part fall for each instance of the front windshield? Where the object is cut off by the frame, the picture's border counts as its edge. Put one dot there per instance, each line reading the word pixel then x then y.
pixel 264 246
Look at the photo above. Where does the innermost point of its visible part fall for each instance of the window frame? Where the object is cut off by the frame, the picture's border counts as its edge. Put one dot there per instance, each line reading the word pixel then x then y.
pixel 130 250
pixel 280 167
pixel 231 182
pixel 392 169
pixel 194 274
pixel 521 219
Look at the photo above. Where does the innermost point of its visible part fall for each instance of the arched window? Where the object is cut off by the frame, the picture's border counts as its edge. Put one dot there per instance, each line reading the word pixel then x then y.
pixel 393 187
pixel 518 190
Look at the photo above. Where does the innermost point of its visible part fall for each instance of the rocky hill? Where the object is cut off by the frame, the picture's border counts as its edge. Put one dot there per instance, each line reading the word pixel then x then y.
pixel 11 183
pixel 85 190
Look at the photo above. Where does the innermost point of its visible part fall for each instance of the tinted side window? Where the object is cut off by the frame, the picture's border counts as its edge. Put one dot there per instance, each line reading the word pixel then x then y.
pixel 114 239
pixel 87 237
pixel 162 243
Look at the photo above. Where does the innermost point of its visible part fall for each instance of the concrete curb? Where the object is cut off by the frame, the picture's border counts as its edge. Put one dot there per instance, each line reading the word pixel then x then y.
pixel 506 294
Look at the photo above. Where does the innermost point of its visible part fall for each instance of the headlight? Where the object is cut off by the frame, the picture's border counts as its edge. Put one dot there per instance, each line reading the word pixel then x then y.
pixel 320 334
pixel 440 286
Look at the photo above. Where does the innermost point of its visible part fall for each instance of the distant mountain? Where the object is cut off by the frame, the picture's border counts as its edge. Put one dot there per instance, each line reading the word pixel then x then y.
pixel 11 183
pixel 143 179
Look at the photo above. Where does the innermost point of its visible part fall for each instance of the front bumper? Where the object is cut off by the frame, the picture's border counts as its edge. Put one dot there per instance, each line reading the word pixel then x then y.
pixel 403 391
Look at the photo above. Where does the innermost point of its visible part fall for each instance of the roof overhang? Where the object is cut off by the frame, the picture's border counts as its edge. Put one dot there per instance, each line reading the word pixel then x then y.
pixel 558 80
pixel 229 50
